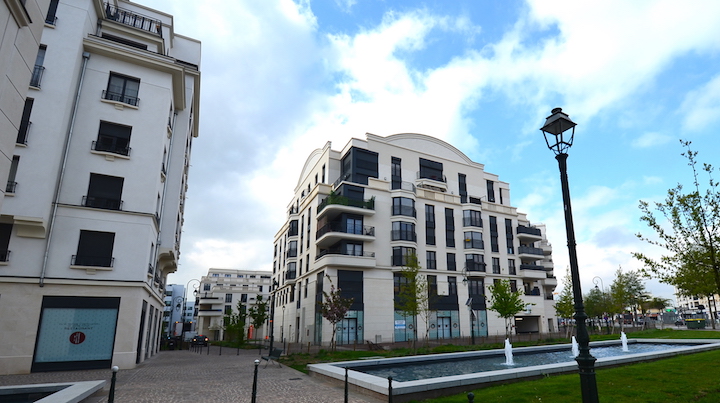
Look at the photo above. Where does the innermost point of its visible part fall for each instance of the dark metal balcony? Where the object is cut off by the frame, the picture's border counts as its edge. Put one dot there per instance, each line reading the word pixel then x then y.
pixel 111 148
pixel 118 97
pixel 344 201
pixel 534 291
pixel 529 250
pixel 102 202
pixel 475 266
pixel 10 188
pixel 344 253
pixel 532 267
pixel 97 261
pixel 521 229
pixel 346 229
pixel 403 235
pixel 133 19
pixel 37 76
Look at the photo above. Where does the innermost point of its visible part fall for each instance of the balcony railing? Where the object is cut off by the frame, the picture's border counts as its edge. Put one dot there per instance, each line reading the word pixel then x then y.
pixel 437 178
pixel 151 270
pixel 475 266
pixel 534 291
pixel 37 76
pixel 116 96
pixel 10 188
pixel 531 267
pixel 407 211
pixel 290 275
pixel 403 235
pixel 529 250
pixel 344 253
pixel 474 244
pixel 102 202
pixel 4 255
pixel 521 229
pixel 23 132
pixel 97 261
pixel 344 201
pixel 111 148
pixel 340 180
pixel 409 186
pixel 133 19
pixel 346 229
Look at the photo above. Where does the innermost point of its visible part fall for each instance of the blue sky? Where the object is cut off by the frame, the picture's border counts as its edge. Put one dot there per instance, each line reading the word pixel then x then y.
pixel 282 77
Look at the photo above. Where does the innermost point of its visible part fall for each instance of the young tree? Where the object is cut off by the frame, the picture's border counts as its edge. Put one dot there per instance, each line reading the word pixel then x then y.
pixel 334 308
pixel 565 305
pixel 692 240
pixel 234 322
pixel 596 306
pixel 506 303
pixel 413 300
pixel 626 292
pixel 258 313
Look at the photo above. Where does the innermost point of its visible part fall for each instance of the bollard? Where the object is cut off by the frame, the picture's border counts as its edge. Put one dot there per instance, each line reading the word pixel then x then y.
pixel 254 388
pixel 220 350
pixel 346 384
pixel 208 349
pixel 111 396
pixel 390 389
pixel 238 351
pixel 471 397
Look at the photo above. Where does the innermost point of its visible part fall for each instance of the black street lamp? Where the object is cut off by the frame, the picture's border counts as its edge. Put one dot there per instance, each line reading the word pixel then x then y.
pixel 184 308
pixel 273 289
pixel 559 132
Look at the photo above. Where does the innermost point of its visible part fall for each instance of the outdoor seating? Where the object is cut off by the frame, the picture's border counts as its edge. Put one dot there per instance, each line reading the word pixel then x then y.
pixel 273 356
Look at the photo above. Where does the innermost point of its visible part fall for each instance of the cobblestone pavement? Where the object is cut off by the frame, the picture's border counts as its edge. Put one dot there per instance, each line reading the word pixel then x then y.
pixel 185 376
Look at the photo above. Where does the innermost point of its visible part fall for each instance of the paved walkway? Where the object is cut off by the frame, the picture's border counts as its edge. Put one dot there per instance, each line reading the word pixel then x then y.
pixel 185 376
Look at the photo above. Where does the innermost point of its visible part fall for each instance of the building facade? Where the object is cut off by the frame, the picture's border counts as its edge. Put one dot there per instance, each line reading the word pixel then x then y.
pixel 219 295
pixel 179 312
pixel 694 305
pixel 358 213
pixel 94 220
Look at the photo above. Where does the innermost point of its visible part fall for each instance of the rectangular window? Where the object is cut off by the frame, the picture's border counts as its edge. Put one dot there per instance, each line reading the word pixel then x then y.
pixel 291 272
pixel 293 228
pixel 472 218
pixel 95 248
pixel 113 138
pixel 396 173
pixel 403 206
pixel 39 69
pixel 228 309
pixel 513 285
pixel 431 170
pixel 104 192
pixel 5 233
pixel 495 247
pixel 206 287
pixel 323 174
pixel 452 285
pixel 509 236
pixel 451 265
pixel 431 260
pixel 449 228
pixel 429 224
pixel 491 191
pixel 496 265
pixel 292 250
pixel 401 254
pixel 511 267
pixel 123 89
pixel 462 191
pixel 353 249
pixel 476 288
pixel 228 297
pixel 25 121
pixel 432 286
pixel 474 262
pixel 403 231
pixel 50 17
pixel 473 240
pixel 11 184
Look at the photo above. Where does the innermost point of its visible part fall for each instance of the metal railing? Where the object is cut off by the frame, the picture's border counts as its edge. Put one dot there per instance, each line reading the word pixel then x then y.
pixel 4 255
pixel 111 148
pixel 409 186
pixel 151 270
pixel 102 202
pixel 346 229
pixel 37 76
pixel 529 250
pixel 325 252
pixel 521 229
pixel 403 235
pixel 436 178
pixel 345 201
pixel 133 19
pixel 96 261
pixel 10 188
pixel 119 97
pixel 475 266
pixel 23 132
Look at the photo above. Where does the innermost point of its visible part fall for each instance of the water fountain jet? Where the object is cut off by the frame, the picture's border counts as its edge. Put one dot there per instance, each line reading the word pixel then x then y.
pixel 575 347
pixel 623 339
pixel 508 353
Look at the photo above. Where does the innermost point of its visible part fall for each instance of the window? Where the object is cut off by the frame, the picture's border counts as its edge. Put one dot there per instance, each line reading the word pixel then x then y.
pixel 494 235
pixel 403 231
pixel 25 122
pixel 354 249
pixel 291 271
pixel 323 174
pixel 354 225
pixel 452 285
pixel 429 224
pixel 476 288
pixel 260 288
pixel 473 240
pixel 215 275
pixel 403 206
pixel 451 265
pixel 462 191
pixel 471 218
pixel 396 173
pixel 431 170
pixel 104 192
pixel 305 292
pixel 228 297
pixel 39 69
pixel 513 285
pixel 122 89
pixel 95 249
pixel 491 191
pixel 50 17
pixel 401 254
pixel 11 184
pixel 113 138
pixel 511 267
pixel 206 287
pixel 292 249
pixel 474 262
pixel 228 309
pixel 5 233
pixel 431 260
pixel 509 236
pixel 449 228
pixel 496 265
pixel 432 286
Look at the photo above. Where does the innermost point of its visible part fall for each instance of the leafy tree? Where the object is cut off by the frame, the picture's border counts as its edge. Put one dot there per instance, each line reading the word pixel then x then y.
pixel 234 322
pixel 506 303
pixel 334 308
pixel 565 305
pixel 596 305
pixel 692 240
pixel 413 300
pixel 258 313
pixel 626 292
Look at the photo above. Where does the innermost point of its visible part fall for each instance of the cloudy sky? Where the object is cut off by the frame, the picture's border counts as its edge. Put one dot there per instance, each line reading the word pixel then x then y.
pixel 282 77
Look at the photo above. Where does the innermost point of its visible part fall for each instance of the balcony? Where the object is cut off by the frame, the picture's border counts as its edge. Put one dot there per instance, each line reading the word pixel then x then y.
pixel 118 97
pixel 528 234
pixel 37 76
pixel 407 186
pixel 338 204
pixel 210 312
pixel 475 266
pixel 529 253
pixel 102 202
pixel 333 232
pixel 471 199
pixel 111 148
pixel 437 183
pixel 133 19
pixel 345 259
pixel 534 292
pixel 532 271
pixel 92 261
pixel 10 188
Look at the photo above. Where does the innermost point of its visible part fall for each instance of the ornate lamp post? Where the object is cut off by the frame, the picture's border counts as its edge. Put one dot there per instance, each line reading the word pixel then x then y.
pixel 559 132
pixel 184 307
pixel 469 305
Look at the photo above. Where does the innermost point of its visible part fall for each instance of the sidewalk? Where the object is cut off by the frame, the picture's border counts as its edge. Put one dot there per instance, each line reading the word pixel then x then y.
pixel 185 376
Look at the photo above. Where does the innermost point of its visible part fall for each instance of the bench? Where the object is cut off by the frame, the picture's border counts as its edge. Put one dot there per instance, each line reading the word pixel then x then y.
pixel 273 356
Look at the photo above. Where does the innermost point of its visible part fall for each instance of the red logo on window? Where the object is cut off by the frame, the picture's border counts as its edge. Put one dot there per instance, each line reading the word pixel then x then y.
pixel 77 337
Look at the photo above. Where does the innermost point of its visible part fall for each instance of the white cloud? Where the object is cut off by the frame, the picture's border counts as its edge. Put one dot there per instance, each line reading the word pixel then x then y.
pixel 345 5
pixel 651 139
pixel 701 107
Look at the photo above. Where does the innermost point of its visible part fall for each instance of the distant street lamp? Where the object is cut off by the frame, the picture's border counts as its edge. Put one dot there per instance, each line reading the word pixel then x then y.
pixel 559 132
pixel 273 289
pixel 469 304
pixel 184 308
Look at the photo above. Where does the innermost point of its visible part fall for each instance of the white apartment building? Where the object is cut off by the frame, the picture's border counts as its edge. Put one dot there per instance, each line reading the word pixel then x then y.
pixel 179 312
pixel 21 24
pixel 219 294
pixel 356 215
pixel 690 305
pixel 94 220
